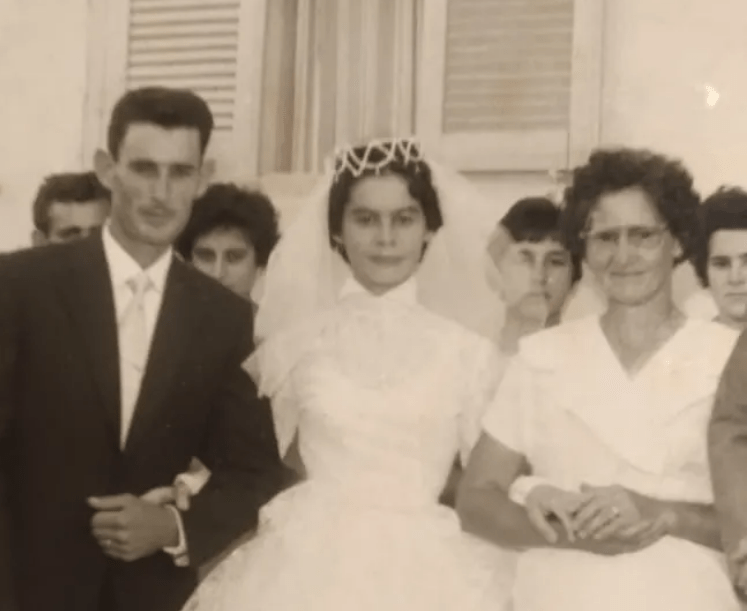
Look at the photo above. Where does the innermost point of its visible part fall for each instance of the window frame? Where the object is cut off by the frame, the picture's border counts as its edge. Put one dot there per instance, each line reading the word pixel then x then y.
pixel 106 81
pixel 535 150
pixel 530 150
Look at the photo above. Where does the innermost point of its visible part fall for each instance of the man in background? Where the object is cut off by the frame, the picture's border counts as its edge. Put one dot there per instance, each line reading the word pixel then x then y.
pixel 68 207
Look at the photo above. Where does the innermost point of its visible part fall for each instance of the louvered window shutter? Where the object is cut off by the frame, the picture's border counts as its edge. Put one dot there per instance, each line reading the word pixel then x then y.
pixel 504 83
pixel 212 47
pixel 190 44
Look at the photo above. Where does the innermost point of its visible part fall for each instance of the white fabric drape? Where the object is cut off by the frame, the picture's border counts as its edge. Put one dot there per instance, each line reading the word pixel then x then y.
pixel 336 72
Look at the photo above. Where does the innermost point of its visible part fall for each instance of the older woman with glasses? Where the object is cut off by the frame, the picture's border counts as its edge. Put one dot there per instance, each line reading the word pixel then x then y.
pixel 593 458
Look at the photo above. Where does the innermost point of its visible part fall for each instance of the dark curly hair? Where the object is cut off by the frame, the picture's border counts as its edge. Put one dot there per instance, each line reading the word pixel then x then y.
pixel 667 183
pixel 417 175
pixel 724 209
pixel 68 188
pixel 535 219
pixel 225 205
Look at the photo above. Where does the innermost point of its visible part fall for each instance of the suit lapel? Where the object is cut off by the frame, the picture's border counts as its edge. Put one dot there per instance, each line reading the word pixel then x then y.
pixel 88 293
pixel 177 322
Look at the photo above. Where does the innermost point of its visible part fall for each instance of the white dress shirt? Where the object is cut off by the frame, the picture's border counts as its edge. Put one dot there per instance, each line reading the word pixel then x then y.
pixel 122 268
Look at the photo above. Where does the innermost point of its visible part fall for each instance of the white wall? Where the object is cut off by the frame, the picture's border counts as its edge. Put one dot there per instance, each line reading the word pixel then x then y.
pixel 659 57
pixel 42 85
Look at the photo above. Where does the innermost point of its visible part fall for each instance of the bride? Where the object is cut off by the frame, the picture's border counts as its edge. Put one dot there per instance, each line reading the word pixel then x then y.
pixel 372 359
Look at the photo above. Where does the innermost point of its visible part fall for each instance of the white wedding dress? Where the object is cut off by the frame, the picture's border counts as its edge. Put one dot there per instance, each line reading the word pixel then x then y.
pixel 383 395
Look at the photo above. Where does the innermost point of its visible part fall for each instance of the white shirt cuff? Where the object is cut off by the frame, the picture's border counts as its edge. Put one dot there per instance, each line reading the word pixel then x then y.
pixel 179 551
pixel 523 486
pixel 193 480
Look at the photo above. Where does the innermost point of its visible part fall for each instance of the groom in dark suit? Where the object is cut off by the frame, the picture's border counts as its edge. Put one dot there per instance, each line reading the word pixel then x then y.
pixel 118 364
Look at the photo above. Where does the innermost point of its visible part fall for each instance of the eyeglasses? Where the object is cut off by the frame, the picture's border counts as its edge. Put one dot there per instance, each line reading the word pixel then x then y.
pixel 637 236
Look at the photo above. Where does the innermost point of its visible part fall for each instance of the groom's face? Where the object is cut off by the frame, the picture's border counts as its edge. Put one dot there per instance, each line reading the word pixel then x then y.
pixel 154 180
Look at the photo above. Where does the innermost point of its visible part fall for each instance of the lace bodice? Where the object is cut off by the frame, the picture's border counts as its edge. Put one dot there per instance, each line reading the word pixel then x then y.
pixel 382 394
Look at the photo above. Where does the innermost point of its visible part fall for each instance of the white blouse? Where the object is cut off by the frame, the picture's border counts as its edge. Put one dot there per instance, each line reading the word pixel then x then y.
pixel 571 409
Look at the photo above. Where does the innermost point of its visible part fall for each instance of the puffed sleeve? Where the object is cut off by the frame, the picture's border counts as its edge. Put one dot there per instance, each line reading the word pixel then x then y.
pixel 509 415
pixel 285 412
pixel 272 366
pixel 483 367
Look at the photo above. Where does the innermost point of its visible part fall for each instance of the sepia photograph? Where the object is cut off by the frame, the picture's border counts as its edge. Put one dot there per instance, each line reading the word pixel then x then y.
pixel 403 305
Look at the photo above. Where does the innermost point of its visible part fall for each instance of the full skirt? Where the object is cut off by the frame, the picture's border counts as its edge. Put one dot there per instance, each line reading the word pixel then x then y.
pixel 319 550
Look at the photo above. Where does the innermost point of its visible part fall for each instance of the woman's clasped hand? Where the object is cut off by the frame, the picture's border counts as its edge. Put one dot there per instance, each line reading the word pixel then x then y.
pixel 615 519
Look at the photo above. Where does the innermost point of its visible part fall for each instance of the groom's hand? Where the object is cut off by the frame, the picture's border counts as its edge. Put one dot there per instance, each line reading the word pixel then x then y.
pixel 129 528
pixel 178 495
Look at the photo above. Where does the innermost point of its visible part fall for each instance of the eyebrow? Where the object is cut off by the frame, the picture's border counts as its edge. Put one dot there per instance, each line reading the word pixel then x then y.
pixel 147 161
pixel 361 209
pixel 526 246
pixel 203 250
pixel 620 227
pixel 184 165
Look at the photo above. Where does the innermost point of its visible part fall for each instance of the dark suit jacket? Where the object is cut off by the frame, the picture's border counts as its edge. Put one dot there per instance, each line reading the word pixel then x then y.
pixel 727 448
pixel 59 428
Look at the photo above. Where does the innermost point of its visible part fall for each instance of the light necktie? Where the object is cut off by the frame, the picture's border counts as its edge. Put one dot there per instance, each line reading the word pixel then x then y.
pixel 133 350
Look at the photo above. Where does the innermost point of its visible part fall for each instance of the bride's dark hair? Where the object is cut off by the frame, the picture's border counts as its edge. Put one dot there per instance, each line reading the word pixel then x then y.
pixel 382 158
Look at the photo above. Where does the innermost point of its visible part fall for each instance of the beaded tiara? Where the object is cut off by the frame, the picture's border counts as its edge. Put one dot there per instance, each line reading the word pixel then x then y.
pixel 376 156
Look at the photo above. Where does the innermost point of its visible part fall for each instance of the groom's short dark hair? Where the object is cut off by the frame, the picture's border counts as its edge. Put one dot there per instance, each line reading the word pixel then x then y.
pixel 162 106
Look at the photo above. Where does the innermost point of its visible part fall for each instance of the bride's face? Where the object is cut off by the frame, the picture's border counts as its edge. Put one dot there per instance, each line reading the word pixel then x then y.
pixel 383 232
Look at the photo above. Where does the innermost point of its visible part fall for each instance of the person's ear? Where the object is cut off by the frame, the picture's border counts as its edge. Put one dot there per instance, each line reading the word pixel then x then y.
pixel 498 245
pixel 493 276
pixel 676 249
pixel 38 238
pixel 103 165
pixel 339 247
pixel 207 171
